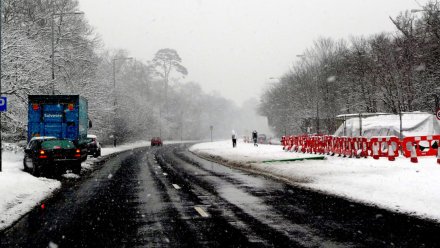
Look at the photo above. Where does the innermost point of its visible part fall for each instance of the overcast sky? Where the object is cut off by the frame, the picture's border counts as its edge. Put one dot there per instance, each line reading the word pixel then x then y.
pixel 235 46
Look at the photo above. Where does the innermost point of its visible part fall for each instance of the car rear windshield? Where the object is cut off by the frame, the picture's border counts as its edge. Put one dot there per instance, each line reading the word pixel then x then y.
pixel 57 144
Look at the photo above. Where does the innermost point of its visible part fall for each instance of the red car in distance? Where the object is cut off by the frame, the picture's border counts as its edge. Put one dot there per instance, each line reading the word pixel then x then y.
pixel 156 141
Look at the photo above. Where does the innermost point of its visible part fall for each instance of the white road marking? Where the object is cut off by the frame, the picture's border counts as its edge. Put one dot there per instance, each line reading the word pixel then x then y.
pixel 176 186
pixel 201 212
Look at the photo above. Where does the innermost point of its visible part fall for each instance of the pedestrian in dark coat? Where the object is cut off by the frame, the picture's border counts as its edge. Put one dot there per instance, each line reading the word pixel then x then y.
pixel 234 139
pixel 255 137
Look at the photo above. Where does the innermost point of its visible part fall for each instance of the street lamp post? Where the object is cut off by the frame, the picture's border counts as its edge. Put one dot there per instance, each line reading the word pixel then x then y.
pixel 114 90
pixel 211 127
pixel 53 43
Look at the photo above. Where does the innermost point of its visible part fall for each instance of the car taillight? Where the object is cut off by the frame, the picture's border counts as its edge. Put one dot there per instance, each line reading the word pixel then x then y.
pixel 42 154
pixel 78 153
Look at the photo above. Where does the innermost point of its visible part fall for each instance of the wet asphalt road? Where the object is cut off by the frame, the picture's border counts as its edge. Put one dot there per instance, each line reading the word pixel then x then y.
pixel 167 197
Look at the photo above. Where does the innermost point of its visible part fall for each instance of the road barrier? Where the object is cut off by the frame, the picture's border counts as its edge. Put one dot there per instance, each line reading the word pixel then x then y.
pixel 357 147
pixel 424 145
pixel 385 147
pixel 438 153
pixel 284 142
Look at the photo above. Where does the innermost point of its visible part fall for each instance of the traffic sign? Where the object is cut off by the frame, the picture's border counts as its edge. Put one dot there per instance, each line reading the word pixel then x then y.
pixel 3 104
pixel 438 114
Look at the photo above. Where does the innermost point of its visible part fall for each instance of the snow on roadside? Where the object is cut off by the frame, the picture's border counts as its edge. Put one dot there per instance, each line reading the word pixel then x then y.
pixel 123 147
pixel 20 191
pixel 398 186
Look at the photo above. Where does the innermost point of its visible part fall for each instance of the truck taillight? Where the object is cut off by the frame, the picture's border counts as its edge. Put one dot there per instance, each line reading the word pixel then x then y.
pixel 42 154
pixel 35 106
pixel 70 106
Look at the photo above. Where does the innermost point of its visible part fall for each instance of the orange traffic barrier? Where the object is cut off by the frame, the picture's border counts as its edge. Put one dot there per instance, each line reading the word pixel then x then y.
pixel 423 145
pixel 438 152
pixel 284 142
pixel 385 147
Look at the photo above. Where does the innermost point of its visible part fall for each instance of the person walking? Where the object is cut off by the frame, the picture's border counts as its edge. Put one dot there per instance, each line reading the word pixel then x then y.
pixel 234 139
pixel 255 137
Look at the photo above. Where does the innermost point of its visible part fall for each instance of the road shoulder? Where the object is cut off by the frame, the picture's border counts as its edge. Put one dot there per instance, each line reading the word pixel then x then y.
pixel 397 186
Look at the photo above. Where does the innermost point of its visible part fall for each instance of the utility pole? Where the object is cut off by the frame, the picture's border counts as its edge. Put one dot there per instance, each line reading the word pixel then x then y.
pixel 317 116
pixel 53 54
pixel 1 150
pixel 211 127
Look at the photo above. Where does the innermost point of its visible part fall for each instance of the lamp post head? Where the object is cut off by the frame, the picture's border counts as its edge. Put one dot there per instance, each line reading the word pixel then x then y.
pixel 123 58
pixel 417 10
pixel 69 13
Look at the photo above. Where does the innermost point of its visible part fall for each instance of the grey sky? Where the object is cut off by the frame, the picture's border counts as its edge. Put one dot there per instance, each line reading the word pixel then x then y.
pixel 235 46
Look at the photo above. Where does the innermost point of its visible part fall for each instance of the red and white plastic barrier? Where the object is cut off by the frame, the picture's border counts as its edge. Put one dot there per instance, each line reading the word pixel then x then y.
pixel 438 152
pixel 385 147
pixel 377 147
pixel 419 146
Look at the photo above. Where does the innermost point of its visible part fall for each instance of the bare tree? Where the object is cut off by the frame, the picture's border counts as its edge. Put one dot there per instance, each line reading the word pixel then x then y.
pixel 165 62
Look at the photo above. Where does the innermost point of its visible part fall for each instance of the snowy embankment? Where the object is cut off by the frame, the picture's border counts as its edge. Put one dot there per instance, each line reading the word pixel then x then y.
pixel 20 191
pixel 109 150
pixel 399 186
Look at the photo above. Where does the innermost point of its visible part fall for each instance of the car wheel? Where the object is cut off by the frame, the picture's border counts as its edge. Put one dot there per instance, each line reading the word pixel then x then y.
pixel 77 168
pixel 25 168
pixel 36 170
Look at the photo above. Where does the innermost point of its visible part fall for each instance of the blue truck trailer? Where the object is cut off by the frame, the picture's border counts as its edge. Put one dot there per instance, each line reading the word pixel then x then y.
pixel 60 116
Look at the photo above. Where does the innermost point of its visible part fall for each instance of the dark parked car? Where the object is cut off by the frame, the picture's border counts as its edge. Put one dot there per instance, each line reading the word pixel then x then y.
pixel 156 141
pixel 50 154
pixel 93 146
